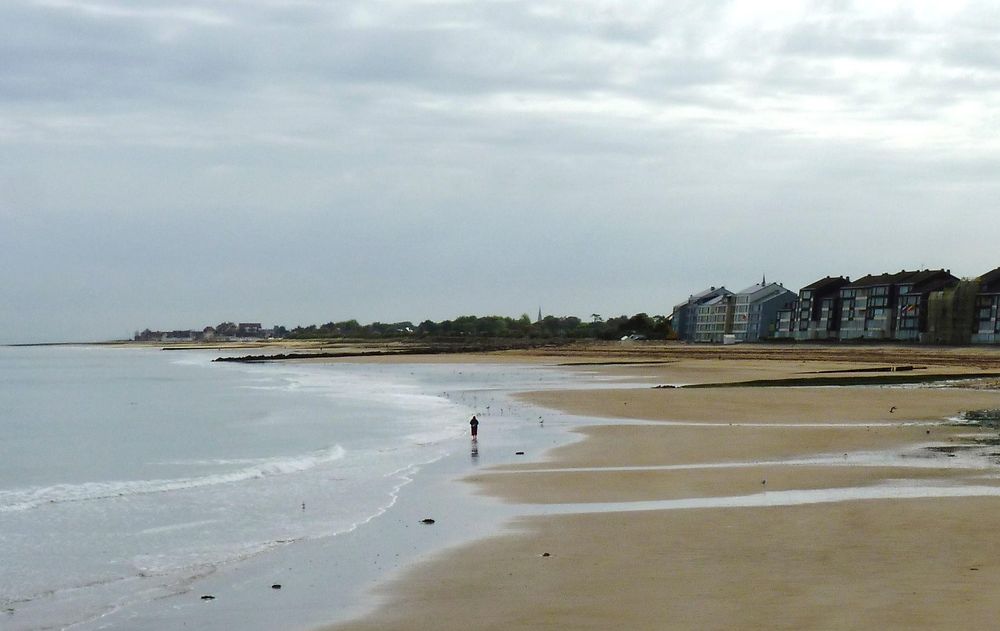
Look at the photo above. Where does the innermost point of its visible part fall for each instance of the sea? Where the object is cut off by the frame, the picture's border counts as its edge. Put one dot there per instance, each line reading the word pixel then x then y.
pixel 146 489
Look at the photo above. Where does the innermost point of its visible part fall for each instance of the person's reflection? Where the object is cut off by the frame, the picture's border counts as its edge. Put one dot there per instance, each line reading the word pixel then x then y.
pixel 475 450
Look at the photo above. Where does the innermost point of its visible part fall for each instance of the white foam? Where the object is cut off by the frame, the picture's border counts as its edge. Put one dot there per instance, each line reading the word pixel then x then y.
pixel 180 526
pixel 25 499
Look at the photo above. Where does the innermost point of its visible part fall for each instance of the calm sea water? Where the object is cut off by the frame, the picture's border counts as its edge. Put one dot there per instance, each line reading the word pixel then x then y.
pixel 127 473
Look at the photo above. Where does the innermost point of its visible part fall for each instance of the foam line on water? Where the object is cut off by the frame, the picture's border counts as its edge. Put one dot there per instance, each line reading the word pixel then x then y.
pixel 175 578
pixel 25 499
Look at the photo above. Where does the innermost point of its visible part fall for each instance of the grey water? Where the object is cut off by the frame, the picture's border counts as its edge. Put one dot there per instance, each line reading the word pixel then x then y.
pixel 131 479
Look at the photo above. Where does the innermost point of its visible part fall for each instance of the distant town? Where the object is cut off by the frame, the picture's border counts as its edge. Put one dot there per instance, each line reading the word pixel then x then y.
pixel 921 306
pixel 636 327
pixel 224 332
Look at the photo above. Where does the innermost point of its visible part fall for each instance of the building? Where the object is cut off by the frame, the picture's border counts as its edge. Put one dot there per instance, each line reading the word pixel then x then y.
pixel 714 319
pixel 249 329
pixel 817 310
pixel 951 313
pixel 923 306
pixel 180 336
pixel 889 306
pixel 784 325
pixel 986 323
pixel 815 315
pixel 867 307
pixel 685 314
pixel 755 310
pixel 722 316
pixel 912 305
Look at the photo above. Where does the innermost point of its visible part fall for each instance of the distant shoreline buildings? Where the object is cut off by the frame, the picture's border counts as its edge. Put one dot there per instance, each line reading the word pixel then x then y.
pixel 224 332
pixel 923 306
pixel 720 316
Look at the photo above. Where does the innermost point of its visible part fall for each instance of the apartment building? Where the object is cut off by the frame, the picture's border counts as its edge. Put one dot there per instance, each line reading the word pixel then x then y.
pixel 986 325
pixel 685 314
pixel 912 304
pixel 815 315
pixel 755 310
pixel 925 306
pixel 889 306
pixel 714 319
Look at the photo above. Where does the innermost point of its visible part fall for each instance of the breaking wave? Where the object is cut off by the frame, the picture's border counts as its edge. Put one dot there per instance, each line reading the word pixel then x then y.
pixel 26 499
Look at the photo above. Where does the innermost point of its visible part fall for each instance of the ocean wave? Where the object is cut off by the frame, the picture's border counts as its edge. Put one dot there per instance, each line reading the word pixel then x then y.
pixel 399 390
pixel 26 499
pixel 212 462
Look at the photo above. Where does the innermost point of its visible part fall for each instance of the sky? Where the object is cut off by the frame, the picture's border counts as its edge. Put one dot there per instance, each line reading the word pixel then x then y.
pixel 170 164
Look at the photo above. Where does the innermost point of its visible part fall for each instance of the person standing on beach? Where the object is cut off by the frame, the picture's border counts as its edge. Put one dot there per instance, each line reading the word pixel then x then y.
pixel 474 423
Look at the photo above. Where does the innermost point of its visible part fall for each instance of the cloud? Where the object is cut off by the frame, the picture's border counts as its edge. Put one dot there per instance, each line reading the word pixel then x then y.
pixel 462 156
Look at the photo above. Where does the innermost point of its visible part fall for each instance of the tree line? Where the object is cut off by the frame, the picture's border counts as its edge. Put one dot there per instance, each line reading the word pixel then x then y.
pixel 640 325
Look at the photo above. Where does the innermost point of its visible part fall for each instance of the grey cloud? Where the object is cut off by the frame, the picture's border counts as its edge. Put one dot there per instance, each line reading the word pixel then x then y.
pixel 981 53
pixel 56 55
pixel 410 160
pixel 839 39
pixel 466 48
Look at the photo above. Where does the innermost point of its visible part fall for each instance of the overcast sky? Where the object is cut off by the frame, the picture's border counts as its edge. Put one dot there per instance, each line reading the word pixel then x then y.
pixel 172 164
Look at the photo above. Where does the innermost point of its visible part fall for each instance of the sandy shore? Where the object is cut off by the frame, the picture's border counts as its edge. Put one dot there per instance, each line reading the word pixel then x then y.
pixel 927 564
pixel 782 508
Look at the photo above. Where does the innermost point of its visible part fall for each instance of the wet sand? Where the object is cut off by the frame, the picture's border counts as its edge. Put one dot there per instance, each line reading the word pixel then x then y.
pixel 769 405
pixel 907 560
pixel 914 564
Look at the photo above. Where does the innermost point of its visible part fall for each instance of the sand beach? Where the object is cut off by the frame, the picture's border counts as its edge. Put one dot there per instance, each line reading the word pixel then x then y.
pixel 734 507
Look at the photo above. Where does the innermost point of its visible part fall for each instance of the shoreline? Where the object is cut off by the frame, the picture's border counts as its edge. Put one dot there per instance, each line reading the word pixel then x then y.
pixel 619 490
pixel 369 554
pixel 595 352
pixel 226 522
